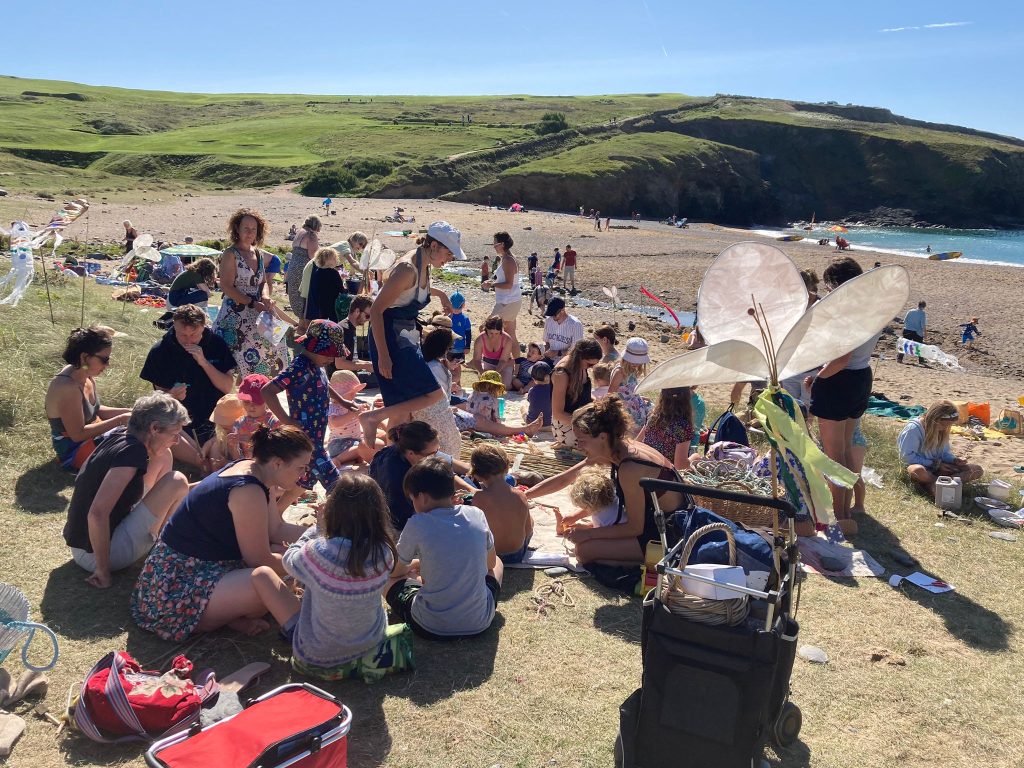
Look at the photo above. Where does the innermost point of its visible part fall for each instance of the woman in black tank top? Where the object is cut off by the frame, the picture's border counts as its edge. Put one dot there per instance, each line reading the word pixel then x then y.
pixel 601 433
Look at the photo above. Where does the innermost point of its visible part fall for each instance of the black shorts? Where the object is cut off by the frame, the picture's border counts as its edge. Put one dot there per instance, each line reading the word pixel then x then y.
pixel 403 593
pixel 842 396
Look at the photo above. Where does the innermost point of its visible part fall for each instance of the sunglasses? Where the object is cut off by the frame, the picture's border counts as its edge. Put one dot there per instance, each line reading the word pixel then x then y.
pixel 105 359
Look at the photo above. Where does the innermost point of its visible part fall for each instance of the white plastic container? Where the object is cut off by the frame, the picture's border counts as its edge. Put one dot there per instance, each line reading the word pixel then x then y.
pixel 723 574
pixel 999 490
pixel 949 492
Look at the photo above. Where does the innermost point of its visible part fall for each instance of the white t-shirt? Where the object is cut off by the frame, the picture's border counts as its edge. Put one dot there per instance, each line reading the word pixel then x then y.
pixel 561 336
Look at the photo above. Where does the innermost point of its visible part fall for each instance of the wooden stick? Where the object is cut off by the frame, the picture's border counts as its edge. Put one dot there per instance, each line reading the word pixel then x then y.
pixel 46 282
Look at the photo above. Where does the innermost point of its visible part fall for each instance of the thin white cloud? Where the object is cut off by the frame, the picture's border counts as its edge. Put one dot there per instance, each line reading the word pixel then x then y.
pixel 941 25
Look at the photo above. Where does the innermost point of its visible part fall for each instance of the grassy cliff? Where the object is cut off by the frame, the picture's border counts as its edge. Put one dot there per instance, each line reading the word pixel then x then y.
pixel 726 158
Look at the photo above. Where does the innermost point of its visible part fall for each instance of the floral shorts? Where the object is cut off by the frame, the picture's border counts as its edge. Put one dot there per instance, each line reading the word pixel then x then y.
pixel 173 589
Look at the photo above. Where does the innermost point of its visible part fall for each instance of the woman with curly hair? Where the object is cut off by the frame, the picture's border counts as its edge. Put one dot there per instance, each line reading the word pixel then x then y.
pixel 246 296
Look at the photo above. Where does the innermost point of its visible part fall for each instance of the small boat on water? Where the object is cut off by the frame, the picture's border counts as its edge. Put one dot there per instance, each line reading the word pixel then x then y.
pixel 946 255
pixel 790 238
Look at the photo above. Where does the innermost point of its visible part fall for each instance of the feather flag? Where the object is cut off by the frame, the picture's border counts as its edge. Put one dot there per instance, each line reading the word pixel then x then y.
pixel 656 300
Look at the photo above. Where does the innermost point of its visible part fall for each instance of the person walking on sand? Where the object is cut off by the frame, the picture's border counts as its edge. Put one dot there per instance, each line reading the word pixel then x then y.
pixel 970 331
pixel 913 329
pixel 597 220
pixel 569 268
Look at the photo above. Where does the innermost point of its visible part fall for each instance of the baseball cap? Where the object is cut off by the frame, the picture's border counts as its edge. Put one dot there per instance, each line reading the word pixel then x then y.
pixel 458 300
pixel 555 306
pixel 251 388
pixel 323 337
pixel 449 237
pixel 636 351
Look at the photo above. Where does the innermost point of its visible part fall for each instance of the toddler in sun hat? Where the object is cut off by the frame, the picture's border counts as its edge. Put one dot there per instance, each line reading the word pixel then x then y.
pixel 250 392
pixel 222 447
pixel 309 395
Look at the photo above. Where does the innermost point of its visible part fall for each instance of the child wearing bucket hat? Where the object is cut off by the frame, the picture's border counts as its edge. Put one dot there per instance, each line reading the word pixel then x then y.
pixel 486 391
pixel 631 368
pixel 223 447
pixel 309 397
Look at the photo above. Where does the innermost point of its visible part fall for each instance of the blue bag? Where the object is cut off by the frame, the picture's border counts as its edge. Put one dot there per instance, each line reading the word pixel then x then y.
pixel 753 551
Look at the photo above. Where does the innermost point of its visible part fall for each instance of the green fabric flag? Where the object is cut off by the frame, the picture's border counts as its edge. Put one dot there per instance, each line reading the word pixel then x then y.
pixel 804 466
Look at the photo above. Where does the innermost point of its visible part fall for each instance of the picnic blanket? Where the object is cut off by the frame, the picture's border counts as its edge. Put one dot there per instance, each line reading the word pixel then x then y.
pixel 881 406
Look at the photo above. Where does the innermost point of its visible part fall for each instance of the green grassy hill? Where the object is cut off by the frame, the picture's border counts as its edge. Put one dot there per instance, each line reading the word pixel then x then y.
pixel 724 158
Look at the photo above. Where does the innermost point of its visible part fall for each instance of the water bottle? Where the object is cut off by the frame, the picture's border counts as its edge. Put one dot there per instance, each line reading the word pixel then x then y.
pixel 501 408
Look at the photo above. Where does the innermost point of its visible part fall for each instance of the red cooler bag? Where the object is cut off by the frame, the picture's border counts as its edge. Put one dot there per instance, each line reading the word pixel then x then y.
pixel 295 725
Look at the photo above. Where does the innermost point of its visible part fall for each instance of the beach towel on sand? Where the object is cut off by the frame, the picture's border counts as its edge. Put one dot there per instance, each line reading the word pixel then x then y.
pixel 880 406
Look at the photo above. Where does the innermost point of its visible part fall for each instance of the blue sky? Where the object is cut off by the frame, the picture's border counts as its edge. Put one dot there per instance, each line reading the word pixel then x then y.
pixel 939 61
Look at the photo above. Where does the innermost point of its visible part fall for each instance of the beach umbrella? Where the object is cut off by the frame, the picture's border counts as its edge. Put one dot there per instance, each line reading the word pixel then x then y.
pixel 189 251
pixel 838 228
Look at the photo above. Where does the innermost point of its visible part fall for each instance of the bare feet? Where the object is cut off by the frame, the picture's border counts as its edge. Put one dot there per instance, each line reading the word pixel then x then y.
pixel 368 421
pixel 534 426
pixel 249 627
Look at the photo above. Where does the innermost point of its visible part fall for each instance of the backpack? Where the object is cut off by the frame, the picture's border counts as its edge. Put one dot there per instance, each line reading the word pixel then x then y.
pixel 727 428
pixel 120 701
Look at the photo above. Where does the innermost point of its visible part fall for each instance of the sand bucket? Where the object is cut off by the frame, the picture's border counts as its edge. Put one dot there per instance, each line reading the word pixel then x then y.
pixel 16 628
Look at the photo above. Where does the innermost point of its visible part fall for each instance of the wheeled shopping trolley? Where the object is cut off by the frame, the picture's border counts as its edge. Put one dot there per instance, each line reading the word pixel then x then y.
pixel 714 694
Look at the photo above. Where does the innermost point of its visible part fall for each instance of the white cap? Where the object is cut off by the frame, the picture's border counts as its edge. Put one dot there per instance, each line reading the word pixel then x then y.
pixel 449 237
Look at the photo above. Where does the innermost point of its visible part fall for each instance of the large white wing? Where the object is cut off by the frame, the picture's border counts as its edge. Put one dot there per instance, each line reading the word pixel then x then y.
pixel 370 254
pixel 743 270
pixel 723 363
pixel 843 320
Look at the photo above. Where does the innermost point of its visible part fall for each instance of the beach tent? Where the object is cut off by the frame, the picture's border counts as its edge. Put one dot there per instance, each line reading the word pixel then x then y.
pixel 189 251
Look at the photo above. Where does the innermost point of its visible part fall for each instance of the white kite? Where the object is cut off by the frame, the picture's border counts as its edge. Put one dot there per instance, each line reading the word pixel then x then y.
pixel 927 352
pixel 24 240
pixel 376 258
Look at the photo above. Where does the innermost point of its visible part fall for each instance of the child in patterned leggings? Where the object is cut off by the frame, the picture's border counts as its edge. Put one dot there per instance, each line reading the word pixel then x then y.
pixel 309 395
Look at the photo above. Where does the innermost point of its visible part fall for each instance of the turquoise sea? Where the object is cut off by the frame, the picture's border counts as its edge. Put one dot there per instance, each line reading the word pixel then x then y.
pixel 988 246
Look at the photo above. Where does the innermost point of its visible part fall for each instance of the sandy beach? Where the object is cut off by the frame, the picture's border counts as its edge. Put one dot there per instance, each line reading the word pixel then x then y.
pixel 669 262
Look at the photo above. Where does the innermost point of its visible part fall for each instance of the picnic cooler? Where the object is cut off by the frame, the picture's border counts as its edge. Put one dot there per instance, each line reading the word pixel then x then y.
pixel 712 695
pixel 295 725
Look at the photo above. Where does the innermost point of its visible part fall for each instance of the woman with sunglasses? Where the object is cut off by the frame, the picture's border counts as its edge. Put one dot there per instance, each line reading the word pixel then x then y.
pixel 77 417
pixel 925 452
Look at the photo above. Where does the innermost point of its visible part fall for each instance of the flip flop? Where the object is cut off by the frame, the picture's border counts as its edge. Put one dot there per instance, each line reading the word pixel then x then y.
pixel 903 557
pixel 242 678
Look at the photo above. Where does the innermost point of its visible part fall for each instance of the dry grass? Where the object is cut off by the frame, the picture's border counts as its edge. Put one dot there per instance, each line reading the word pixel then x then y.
pixel 545 690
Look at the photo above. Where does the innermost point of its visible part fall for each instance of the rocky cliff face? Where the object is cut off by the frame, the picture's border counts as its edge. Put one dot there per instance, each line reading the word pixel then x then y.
pixel 755 162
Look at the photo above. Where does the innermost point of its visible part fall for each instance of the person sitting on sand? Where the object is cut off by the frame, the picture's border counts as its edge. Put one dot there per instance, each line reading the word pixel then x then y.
pixel 194 285
pixel 494 349
pixel 199 575
pixel 506 509
pixel 925 451
pixel 483 415
pixel 126 489
pixel 602 433
pixel 73 408
pixel 571 388
pixel 593 493
pixel 447 579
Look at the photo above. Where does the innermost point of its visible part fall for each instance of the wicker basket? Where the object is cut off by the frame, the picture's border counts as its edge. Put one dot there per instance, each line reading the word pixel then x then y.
pixel 751 515
pixel 695 608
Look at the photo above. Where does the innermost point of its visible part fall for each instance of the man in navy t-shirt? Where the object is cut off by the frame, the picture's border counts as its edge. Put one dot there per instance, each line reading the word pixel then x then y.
pixel 194 365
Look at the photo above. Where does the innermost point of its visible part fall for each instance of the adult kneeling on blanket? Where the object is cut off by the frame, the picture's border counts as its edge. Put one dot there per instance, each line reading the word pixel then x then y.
pixel 601 433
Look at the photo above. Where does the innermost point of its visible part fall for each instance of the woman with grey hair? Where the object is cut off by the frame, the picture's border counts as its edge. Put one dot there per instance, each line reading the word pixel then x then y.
pixel 305 244
pixel 126 489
